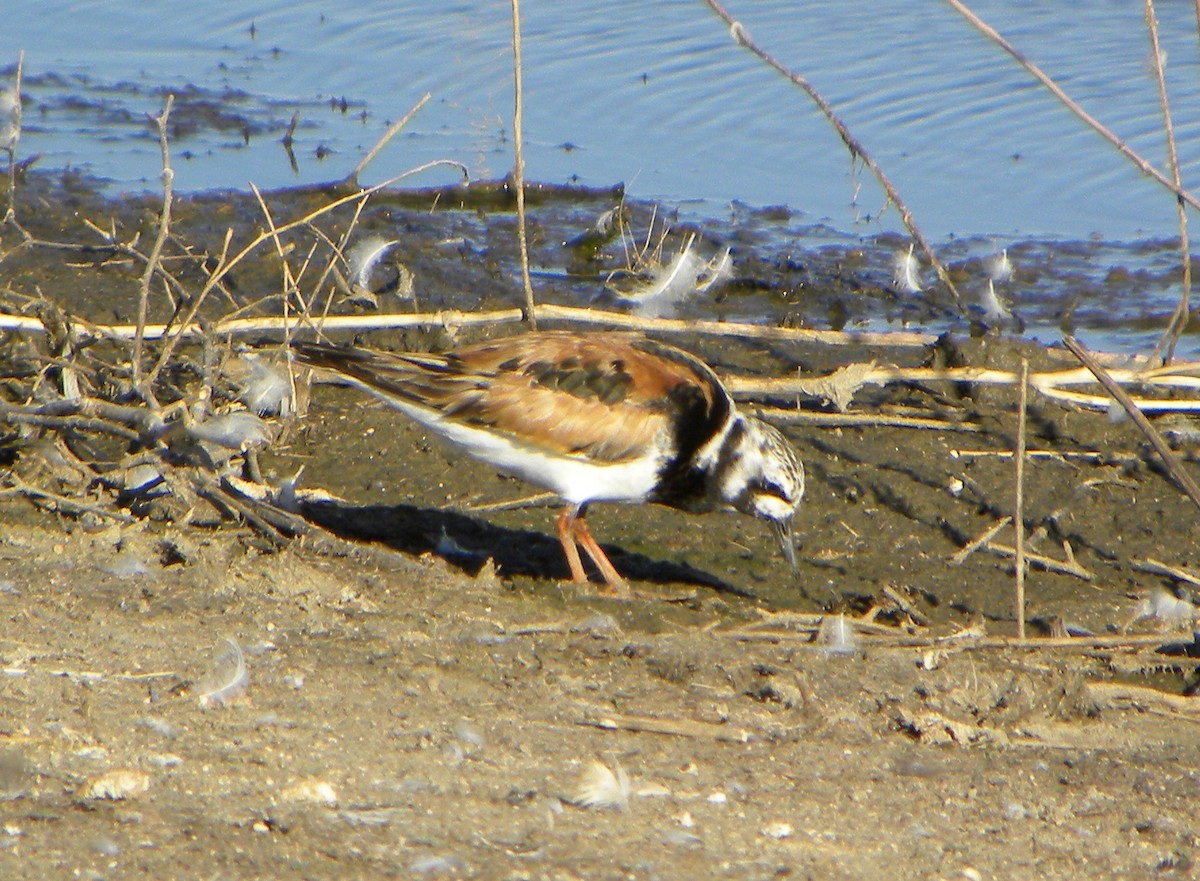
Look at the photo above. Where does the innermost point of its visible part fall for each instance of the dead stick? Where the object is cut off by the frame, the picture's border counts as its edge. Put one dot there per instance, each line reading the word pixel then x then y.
pixel 986 643
pixel 456 318
pixel 1139 419
pixel 801 417
pixel 1019 515
pixel 1159 568
pixel 675 727
pixel 1042 561
pixel 975 544
pixel 69 504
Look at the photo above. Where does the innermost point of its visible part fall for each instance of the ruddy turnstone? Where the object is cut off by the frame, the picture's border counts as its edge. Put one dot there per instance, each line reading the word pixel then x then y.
pixel 594 418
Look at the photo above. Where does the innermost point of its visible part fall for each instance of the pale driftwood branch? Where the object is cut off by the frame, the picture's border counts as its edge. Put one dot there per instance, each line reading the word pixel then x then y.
pixel 898 640
pixel 455 318
pixel 979 541
pixel 1159 568
pixel 674 727
pixel 71 505
pixel 1041 561
pixel 1065 455
pixel 781 416
pixel 1049 383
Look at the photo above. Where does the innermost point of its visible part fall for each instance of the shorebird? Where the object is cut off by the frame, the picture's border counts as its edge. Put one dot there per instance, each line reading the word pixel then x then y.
pixel 593 417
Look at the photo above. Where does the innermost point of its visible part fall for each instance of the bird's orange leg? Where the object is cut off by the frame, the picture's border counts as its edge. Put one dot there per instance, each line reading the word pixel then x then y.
pixel 583 536
pixel 566 536
pixel 573 533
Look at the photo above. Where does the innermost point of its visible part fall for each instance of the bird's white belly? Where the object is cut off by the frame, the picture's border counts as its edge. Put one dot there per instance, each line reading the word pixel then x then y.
pixel 576 479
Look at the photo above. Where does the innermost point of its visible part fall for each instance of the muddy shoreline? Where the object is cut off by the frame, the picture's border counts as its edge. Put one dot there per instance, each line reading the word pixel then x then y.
pixel 428 707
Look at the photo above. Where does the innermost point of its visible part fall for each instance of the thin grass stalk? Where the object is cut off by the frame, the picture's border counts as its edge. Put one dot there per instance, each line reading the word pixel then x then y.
pixel 10 215
pixel 395 127
pixel 1179 319
pixel 857 151
pixel 164 229
pixel 1019 513
pixel 226 264
pixel 1124 149
pixel 519 166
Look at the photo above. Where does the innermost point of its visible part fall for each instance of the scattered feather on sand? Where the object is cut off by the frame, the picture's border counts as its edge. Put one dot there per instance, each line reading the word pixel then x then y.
pixel 267 388
pixel 115 785
pixel 602 787
pixel 716 272
pixel 1161 605
pixel 227 679
pixel 10 119
pixel 836 636
pixel 125 565
pixel 365 258
pixel 372 272
pixel 238 430
pixel 312 791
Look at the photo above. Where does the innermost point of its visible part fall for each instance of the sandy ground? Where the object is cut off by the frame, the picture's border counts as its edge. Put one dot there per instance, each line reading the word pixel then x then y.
pixel 429 700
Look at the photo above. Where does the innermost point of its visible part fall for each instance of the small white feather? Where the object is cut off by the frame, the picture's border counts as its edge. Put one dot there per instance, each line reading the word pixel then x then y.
pixel 906 272
pixel 999 267
pixel 237 430
pixel 672 284
pixel 716 272
pixel 364 257
pixel 10 119
pixel 1164 606
pixel 227 679
pixel 603 787
pixel 267 391
pixel 836 636
pixel 993 307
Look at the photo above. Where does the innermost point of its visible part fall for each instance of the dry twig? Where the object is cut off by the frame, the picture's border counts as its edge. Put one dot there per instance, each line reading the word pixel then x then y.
pixel 519 166
pixel 1182 478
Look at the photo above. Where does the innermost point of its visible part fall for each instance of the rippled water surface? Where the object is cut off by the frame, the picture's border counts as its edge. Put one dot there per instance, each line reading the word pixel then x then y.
pixel 654 95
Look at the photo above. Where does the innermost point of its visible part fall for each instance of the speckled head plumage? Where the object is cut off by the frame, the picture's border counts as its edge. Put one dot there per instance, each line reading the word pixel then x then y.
pixel 594 418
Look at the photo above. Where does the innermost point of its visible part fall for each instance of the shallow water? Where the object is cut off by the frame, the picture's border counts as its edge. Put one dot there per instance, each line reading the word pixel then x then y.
pixel 658 96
